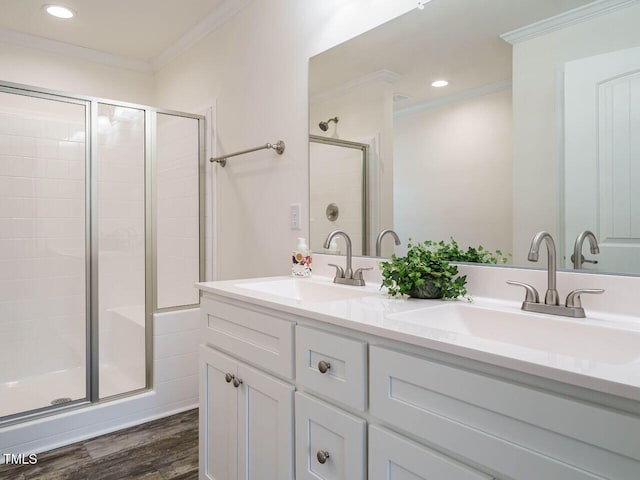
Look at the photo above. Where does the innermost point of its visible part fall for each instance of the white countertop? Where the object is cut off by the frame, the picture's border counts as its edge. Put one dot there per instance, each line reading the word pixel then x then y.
pixel 589 361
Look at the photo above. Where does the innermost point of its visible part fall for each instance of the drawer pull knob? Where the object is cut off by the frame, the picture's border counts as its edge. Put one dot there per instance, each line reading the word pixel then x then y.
pixel 237 382
pixel 228 377
pixel 322 456
pixel 323 367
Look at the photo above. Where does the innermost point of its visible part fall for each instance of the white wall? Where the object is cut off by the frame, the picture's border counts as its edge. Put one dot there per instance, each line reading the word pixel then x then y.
pixel 256 67
pixel 59 72
pixel 452 173
pixel 537 127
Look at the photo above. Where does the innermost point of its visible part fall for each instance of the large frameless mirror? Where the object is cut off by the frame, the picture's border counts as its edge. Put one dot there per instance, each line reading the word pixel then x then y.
pixel 537 128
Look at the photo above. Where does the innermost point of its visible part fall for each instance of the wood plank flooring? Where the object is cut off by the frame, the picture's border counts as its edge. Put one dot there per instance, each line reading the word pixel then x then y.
pixel 165 449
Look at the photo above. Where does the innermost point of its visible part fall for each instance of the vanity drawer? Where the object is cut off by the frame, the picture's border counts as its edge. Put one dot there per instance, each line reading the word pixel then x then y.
pixel 521 432
pixel 332 365
pixel 330 443
pixel 250 335
pixel 392 457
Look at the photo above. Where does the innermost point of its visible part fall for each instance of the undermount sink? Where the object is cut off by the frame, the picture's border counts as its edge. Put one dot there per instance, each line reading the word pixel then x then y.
pixel 305 290
pixel 569 337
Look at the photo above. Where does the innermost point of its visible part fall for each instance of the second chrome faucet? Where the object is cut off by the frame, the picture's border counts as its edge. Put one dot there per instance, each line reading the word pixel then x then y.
pixel 551 305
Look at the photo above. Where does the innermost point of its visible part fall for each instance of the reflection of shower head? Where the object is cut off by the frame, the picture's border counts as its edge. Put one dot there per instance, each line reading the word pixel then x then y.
pixel 324 126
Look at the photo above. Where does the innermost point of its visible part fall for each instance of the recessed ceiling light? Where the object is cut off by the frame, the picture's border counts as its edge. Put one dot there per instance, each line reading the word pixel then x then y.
pixel 440 83
pixel 59 11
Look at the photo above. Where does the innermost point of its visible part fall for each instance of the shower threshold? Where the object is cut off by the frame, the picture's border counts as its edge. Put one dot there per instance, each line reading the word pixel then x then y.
pixel 61 387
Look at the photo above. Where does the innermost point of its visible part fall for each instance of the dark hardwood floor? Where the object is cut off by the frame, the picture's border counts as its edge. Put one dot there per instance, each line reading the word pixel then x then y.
pixel 160 450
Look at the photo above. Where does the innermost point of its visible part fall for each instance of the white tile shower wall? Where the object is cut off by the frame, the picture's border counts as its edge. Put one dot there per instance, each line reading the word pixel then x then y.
pixel 42 246
pixel 177 210
pixel 176 338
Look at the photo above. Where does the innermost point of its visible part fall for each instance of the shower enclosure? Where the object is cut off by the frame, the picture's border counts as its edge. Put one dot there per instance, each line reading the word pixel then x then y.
pixel 100 227
pixel 338 191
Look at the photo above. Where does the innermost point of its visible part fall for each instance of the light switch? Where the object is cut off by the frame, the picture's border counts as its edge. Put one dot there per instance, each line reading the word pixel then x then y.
pixel 294 215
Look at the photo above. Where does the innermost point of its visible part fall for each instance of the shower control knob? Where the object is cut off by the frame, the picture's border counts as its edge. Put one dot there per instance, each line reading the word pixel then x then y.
pixel 228 377
pixel 237 382
pixel 324 366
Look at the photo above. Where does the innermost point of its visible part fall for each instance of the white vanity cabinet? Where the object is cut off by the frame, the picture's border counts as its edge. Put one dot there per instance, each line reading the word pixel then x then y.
pixel 246 414
pixel 518 431
pixel 354 405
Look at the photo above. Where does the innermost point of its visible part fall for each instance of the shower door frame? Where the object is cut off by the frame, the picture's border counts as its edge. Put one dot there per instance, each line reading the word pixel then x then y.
pixel 364 149
pixel 92 361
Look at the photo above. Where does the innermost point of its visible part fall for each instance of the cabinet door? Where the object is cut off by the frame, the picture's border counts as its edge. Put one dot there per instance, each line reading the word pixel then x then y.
pixel 392 457
pixel 218 417
pixel 265 426
pixel 330 443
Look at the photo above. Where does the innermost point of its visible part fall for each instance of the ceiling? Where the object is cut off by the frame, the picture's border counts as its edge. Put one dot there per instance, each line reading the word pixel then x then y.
pixel 458 40
pixel 136 29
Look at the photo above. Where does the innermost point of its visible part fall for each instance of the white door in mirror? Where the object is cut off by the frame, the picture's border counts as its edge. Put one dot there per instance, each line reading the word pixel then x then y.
pixel 602 135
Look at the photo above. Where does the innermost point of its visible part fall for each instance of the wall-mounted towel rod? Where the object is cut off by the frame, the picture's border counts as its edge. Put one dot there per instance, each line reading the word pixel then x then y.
pixel 222 159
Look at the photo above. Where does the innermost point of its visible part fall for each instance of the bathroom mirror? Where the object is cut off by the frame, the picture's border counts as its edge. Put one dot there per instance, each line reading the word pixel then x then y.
pixel 537 129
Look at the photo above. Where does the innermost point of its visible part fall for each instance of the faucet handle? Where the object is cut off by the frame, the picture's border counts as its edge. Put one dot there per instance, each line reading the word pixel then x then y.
pixel 531 295
pixel 358 273
pixel 573 299
pixel 339 270
pixel 583 260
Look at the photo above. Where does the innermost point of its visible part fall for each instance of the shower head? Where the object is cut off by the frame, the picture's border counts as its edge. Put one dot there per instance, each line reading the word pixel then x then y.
pixel 324 126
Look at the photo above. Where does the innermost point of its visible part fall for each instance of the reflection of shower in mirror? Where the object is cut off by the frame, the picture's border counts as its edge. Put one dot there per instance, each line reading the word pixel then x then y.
pixel 324 126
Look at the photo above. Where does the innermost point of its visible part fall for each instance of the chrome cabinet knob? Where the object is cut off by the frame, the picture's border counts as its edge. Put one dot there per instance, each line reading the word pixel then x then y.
pixel 322 456
pixel 237 382
pixel 228 377
pixel 323 366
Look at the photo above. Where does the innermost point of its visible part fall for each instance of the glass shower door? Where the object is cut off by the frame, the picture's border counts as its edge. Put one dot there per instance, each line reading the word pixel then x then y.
pixel 120 206
pixel 43 251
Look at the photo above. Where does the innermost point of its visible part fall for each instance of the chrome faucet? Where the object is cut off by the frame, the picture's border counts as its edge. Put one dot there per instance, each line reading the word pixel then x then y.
pixel 379 240
pixel 577 258
pixel 572 306
pixel 346 276
pixel 551 297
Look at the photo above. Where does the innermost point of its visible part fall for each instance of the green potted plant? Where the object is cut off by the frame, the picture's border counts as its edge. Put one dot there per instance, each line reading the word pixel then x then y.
pixel 426 272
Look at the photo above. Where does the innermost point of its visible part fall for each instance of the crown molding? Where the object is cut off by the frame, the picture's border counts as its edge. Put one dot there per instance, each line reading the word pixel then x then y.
pixel 62 48
pixel 208 24
pixel 455 97
pixel 557 22
pixel 219 16
pixel 378 76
